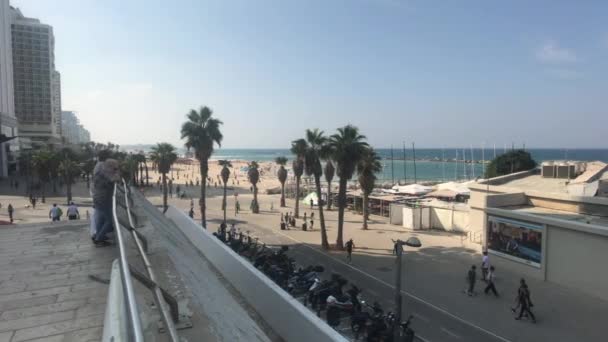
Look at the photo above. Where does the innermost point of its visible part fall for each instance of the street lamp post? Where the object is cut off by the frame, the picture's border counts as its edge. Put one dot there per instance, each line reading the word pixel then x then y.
pixel 412 242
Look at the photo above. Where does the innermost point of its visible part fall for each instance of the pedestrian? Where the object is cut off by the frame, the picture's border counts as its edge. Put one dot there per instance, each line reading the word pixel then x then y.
pixel 312 222
pixel 311 203
pixel 485 265
pixel 237 207
pixel 349 250
pixel 232 231
pixel 55 213
pixel 103 184
pixel 271 206
pixel 191 212
pixel 490 280
pixel 33 202
pixel 281 217
pixel 524 302
pixel 312 215
pixel 304 217
pixel 73 213
pixel 10 212
pixel 471 278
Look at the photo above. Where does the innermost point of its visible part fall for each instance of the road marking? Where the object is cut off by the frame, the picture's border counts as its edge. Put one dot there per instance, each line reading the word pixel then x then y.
pixel 462 320
pixel 450 333
pixel 422 318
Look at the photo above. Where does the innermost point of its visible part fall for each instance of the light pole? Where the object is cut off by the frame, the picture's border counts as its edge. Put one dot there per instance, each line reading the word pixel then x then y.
pixel 412 242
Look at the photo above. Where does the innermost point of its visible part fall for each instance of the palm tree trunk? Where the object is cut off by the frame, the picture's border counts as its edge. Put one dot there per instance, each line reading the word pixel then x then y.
pixel 329 195
pixel 147 178
pixel 256 206
pixel 204 170
pixel 282 194
pixel 141 175
pixel 341 206
pixel 365 199
pixel 165 207
pixel 297 210
pixel 68 187
pixel 324 242
pixel 224 204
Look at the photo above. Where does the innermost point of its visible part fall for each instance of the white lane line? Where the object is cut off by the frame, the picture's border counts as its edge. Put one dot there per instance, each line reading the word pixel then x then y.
pixel 450 333
pixel 422 318
pixel 462 320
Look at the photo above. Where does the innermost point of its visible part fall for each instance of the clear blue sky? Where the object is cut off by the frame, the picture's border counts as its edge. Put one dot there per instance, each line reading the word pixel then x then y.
pixel 441 73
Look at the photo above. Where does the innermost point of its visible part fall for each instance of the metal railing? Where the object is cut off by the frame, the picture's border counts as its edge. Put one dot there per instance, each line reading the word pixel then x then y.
pixel 134 327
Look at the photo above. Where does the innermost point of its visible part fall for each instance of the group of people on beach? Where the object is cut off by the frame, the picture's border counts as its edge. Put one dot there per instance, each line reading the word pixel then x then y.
pixel 289 220
pixel 522 299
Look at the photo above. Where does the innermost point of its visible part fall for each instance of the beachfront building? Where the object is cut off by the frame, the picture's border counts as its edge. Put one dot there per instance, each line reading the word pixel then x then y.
pixel 33 47
pixel 547 224
pixel 56 100
pixel 72 131
pixel 8 122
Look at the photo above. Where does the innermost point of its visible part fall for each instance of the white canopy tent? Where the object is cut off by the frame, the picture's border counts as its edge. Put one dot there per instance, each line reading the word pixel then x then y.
pixel 412 189
pixel 459 188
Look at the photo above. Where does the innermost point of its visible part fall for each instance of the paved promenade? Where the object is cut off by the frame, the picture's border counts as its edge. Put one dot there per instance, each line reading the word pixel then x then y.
pixel 46 293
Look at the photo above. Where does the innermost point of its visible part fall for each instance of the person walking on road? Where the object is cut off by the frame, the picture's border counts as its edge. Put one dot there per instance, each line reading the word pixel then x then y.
pixel 10 212
pixel 524 302
pixel 73 213
pixel 490 281
pixel 349 250
pixel 471 278
pixel 485 265
pixel 55 213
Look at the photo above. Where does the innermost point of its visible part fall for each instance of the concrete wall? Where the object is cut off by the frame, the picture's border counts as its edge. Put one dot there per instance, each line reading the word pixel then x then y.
pixel 449 219
pixel 396 213
pixel 505 200
pixel 577 259
pixel 283 313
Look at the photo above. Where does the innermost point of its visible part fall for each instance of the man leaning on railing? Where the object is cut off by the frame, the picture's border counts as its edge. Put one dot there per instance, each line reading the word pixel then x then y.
pixel 103 184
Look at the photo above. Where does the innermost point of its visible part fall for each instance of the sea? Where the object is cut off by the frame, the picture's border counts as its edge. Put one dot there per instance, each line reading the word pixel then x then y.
pixel 430 164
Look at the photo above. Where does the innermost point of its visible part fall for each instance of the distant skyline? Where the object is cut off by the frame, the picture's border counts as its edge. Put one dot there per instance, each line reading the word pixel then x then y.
pixel 442 74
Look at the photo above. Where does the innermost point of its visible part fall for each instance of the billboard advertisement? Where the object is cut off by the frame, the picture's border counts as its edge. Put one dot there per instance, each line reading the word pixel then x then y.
pixel 518 240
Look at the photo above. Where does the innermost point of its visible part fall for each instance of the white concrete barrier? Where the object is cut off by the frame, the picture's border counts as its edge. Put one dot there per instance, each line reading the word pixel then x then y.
pixel 114 325
pixel 283 313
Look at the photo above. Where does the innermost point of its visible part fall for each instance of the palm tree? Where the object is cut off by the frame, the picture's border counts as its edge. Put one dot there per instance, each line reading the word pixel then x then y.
pixel 298 147
pixel 254 176
pixel 163 156
pixel 367 168
pixel 329 171
pixel 225 176
pixel 69 169
pixel 87 168
pixel 282 174
pixel 41 162
pixel 347 147
pixel 201 132
pixel 316 146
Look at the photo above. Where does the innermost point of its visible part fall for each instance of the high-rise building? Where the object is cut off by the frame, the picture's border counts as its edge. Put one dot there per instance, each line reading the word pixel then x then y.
pixel 8 122
pixel 56 100
pixel 71 129
pixel 33 46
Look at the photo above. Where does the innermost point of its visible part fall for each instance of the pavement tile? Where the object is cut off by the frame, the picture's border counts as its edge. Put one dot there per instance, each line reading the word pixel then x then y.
pixel 25 303
pixel 38 320
pixel 58 328
pixel 42 309
pixel 36 293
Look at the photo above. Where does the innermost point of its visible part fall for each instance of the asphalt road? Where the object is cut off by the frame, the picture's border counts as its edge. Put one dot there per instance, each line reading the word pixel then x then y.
pixel 430 322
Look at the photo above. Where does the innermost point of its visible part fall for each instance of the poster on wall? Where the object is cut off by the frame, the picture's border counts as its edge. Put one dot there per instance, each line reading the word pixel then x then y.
pixel 518 240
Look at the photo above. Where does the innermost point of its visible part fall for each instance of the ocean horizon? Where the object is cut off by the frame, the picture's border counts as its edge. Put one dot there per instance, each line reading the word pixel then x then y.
pixel 431 164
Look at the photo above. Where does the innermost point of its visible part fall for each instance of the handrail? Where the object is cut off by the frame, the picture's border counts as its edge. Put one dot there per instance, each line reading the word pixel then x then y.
pixel 133 321
pixel 164 309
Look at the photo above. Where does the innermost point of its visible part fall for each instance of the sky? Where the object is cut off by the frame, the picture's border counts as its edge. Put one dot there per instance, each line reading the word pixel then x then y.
pixel 440 73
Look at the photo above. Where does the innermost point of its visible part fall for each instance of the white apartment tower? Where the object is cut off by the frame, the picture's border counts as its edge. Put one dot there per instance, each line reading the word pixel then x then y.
pixel 8 122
